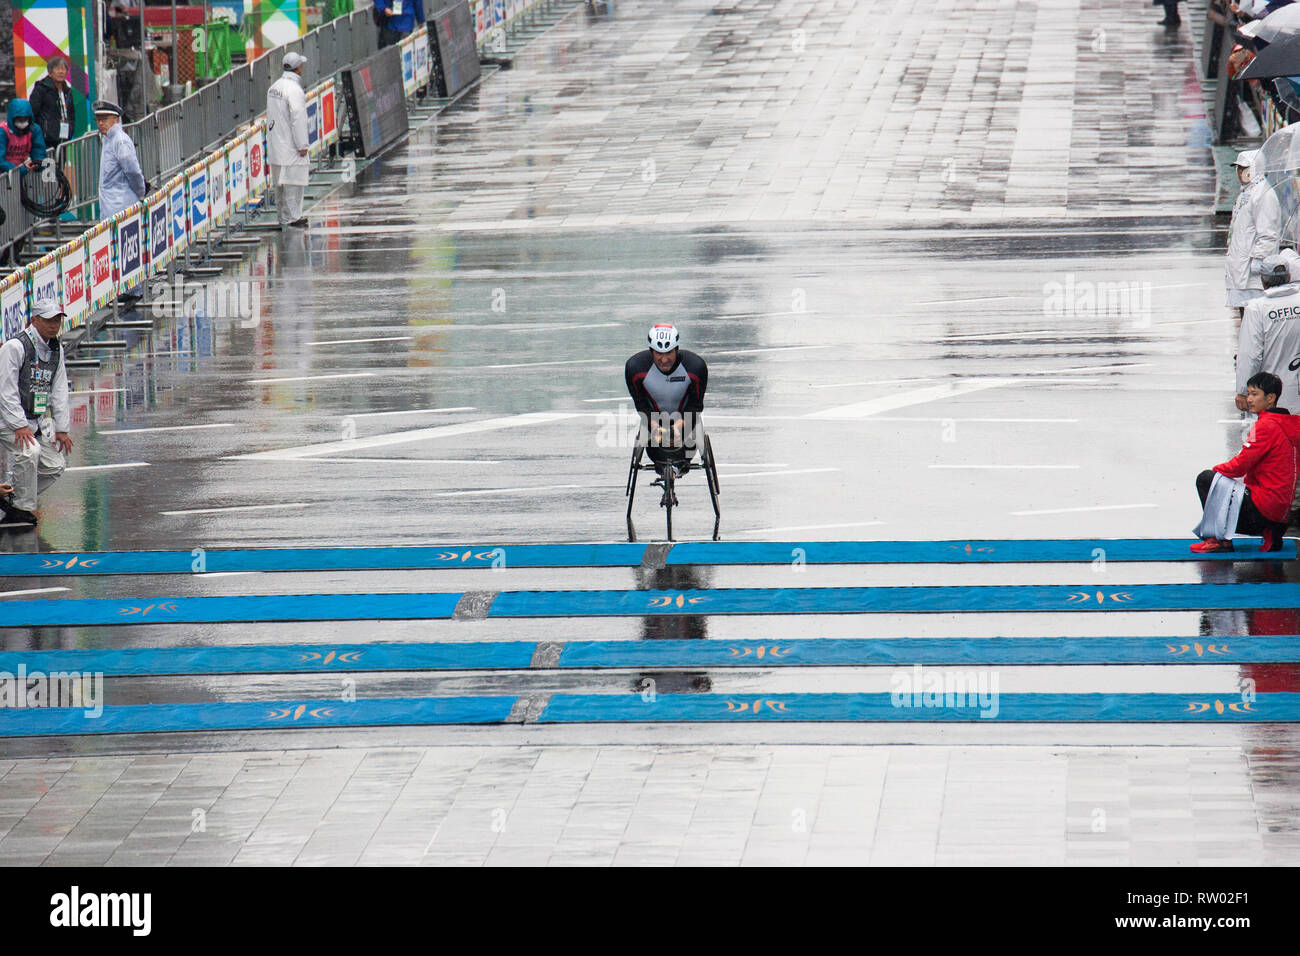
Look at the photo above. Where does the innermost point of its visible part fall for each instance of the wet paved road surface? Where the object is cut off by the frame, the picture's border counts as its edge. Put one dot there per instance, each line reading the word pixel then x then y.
pixel 954 282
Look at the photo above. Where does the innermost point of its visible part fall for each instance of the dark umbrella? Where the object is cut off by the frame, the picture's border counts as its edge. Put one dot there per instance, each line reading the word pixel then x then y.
pixel 1281 58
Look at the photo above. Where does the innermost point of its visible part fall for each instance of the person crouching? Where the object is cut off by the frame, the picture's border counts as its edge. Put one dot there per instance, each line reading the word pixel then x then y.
pixel 1251 493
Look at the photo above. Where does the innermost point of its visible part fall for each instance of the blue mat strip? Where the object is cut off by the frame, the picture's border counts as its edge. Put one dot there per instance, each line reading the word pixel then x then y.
pixel 883 707
pixel 61 563
pixel 664 708
pixel 963 552
pixel 517 655
pixel 354 607
pixel 620 555
pixel 196 610
pixel 275 715
pixel 1140 597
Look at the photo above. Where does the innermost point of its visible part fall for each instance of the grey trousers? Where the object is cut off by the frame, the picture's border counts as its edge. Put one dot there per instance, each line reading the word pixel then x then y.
pixel 34 469
pixel 288 202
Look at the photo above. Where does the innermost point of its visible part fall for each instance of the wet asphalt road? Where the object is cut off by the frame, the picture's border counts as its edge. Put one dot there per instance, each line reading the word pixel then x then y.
pixel 977 296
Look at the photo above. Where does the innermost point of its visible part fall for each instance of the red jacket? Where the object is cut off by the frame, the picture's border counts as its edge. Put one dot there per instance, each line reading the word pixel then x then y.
pixel 1268 463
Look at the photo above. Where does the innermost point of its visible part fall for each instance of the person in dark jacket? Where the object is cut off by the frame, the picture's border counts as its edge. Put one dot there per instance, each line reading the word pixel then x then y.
pixel 1172 19
pixel 397 18
pixel 21 142
pixel 52 104
pixel 1267 464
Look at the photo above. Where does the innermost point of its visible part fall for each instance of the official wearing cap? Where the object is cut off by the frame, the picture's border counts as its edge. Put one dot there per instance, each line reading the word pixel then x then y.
pixel 34 410
pixel 121 182
pixel 286 141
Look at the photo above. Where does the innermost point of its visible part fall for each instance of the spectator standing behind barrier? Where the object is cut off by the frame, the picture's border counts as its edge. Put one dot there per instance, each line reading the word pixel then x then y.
pixel 21 142
pixel 286 141
pixel 397 18
pixel 34 410
pixel 1253 233
pixel 52 104
pixel 1172 19
pixel 121 183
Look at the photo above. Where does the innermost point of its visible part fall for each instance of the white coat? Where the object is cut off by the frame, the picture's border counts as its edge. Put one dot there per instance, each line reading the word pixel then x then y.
pixel 1252 237
pixel 286 130
pixel 1269 341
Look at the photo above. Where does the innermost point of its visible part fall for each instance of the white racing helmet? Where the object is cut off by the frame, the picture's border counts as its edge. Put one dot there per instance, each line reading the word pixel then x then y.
pixel 663 338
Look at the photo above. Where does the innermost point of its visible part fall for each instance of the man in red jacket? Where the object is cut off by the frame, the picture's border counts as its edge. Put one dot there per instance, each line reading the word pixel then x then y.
pixel 1267 463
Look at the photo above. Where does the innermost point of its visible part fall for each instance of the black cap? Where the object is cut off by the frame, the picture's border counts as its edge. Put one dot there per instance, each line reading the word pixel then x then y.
pixel 104 106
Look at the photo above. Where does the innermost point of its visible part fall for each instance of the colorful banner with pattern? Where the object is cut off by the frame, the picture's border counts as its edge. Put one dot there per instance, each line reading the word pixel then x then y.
pixel 158 230
pixel 130 246
pixel 237 163
pixel 99 250
pixel 13 303
pixel 74 279
pixel 217 188
pixel 196 179
pixel 178 200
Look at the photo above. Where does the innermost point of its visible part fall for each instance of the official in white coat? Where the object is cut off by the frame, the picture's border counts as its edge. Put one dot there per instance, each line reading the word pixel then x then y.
pixel 1254 233
pixel 121 183
pixel 286 141
pixel 34 410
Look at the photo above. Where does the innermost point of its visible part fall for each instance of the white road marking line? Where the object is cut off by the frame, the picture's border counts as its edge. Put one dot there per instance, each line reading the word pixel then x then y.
pixel 1010 467
pixel 982 298
pixel 760 315
pixel 1226 318
pixel 985 421
pixel 997 335
pixel 1093 368
pixel 412 411
pixel 550 328
pixel 32 591
pixel 125 464
pixel 775 348
pixel 916 396
pixel 410 461
pixel 757 464
pixel 97 391
pixel 399 438
pixel 532 489
pixel 620 398
pixel 537 364
pixel 306 378
pixel 810 527
pixel 888 381
pixel 213 511
pixel 165 428
pixel 770 474
pixel 391 338
pixel 1064 511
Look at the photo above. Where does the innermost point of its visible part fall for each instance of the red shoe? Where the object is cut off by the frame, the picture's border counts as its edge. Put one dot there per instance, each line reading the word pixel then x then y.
pixel 1272 540
pixel 1210 545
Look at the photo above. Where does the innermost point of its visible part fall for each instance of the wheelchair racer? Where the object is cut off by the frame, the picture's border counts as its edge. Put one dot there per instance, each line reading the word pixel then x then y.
pixel 667 385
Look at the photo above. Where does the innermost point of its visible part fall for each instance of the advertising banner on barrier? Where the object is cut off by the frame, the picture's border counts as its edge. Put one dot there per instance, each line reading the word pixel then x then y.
pixel 455 63
pixel 158 231
pixel 130 247
pixel 13 303
pixel 179 207
pixel 45 278
pixel 237 164
pixel 314 142
pixel 256 161
pixel 329 114
pixel 99 252
pixel 217 188
pixel 197 179
pixel 421 57
pixel 373 88
pixel 407 47
pixel 76 290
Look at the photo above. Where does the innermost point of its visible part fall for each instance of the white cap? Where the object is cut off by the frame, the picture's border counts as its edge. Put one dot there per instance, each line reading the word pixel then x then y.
pixel 47 308
pixel 1246 157
pixel 294 60
pixel 1286 257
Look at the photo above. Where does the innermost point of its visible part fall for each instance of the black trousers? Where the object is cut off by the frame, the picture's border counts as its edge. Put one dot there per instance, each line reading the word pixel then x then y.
pixel 1249 520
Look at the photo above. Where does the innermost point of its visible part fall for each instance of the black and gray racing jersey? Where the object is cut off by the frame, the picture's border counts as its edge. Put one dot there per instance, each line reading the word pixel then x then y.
pixel 680 390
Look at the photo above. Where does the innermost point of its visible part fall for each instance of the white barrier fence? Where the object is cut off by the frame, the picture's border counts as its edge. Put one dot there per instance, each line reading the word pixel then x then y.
pixel 110 258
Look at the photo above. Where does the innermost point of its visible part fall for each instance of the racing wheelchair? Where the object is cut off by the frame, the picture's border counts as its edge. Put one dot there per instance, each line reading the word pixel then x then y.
pixel 670 464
